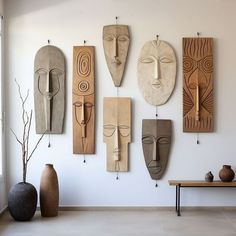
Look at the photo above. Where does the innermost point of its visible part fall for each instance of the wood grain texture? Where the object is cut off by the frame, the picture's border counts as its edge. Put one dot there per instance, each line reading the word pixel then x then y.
pixel 200 183
pixel 198 85
pixel 117 132
pixel 83 100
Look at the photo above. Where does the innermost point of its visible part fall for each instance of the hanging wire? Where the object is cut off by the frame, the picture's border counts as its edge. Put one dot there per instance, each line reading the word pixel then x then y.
pixel 117 169
pixel 84 42
pixel 156 113
pixel 198 34
pixel 157 37
pixel 117 19
pixel 49 143
pixel 49 41
pixel 198 141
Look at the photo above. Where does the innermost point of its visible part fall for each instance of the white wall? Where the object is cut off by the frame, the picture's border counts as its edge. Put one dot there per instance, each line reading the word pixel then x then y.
pixel 67 23
pixel 3 202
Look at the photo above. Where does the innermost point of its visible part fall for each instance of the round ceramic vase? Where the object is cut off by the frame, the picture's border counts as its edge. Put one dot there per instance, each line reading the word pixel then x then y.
pixel 226 174
pixel 49 192
pixel 22 201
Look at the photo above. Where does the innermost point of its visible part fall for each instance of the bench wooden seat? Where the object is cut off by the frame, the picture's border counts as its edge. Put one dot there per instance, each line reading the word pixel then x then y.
pixel 196 183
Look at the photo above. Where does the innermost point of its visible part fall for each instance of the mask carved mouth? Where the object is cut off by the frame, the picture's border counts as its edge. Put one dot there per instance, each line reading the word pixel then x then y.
pixel 116 61
pixel 156 85
pixel 116 151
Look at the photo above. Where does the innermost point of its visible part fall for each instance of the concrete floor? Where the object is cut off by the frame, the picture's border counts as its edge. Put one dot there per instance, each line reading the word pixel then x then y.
pixel 125 223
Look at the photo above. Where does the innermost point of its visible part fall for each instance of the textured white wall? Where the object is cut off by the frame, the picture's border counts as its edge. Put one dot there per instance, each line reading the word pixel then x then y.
pixel 3 202
pixel 29 24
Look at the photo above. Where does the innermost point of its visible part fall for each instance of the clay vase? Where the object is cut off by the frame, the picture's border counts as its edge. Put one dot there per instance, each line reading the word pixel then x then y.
pixel 22 201
pixel 226 174
pixel 209 177
pixel 49 192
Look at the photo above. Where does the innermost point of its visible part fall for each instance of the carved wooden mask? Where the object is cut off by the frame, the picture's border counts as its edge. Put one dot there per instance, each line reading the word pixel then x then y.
pixel 83 100
pixel 116 45
pixel 117 131
pixel 49 90
pixel 156 142
pixel 197 84
pixel 156 72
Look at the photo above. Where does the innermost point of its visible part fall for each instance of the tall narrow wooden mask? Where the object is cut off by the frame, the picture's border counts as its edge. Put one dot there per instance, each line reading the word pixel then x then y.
pixel 116 45
pixel 49 90
pixel 197 84
pixel 83 100
pixel 156 142
pixel 117 131
pixel 156 72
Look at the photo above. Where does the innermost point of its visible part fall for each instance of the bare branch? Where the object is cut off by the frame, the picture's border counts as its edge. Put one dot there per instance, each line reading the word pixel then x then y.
pixel 28 134
pixel 35 146
pixel 16 137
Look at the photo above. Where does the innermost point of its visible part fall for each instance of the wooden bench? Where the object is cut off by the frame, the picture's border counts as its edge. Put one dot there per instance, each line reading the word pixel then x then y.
pixel 196 183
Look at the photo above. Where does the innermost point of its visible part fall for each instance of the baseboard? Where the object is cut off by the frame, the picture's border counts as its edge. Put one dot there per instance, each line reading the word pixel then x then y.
pixel 3 210
pixel 141 208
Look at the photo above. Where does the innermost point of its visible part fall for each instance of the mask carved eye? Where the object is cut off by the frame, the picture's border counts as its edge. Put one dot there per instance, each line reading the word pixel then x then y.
pixel 163 140
pixel 146 60
pixel 147 140
pixel 108 38
pixel 192 85
pixel 124 130
pixel 108 130
pixel 77 104
pixel 56 72
pixel 165 60
pixel 41 71
pixel 123 38
pixel 88 105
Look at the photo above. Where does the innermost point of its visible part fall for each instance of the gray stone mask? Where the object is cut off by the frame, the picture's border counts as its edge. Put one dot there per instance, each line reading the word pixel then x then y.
pixel 156 142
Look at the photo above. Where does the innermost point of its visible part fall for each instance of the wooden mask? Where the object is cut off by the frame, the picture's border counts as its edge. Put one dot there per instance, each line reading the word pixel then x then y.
pixel 197 84
pixel 156 142
pixel 116 45
pixel 156 72
pixel 49 90
pixel 117 131
pixel 83 100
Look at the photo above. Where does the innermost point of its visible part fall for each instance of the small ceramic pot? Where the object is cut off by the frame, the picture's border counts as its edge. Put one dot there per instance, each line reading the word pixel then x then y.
pixel 226 174
pixel 209 177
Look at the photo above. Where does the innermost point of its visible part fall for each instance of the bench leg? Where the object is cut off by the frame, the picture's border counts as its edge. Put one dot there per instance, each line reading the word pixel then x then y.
pixel 178 199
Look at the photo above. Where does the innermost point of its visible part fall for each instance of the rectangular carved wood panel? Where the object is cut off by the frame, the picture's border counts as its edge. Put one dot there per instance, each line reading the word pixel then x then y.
pixel 198 85
pixel 83 100
pixel 117 132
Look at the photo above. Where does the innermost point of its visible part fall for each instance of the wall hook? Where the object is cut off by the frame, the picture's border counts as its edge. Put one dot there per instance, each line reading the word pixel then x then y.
pixel 84 42
pixel 198 34
pixel 117 19
pixel 49 41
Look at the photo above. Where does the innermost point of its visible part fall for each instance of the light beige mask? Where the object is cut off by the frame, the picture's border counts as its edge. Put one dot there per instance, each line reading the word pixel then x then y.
pixel 49 90
pixel 116 45
pixel 117 132
pixel 156 71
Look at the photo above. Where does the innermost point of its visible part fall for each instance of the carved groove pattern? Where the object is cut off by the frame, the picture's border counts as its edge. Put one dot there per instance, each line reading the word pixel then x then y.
pixel 84 63
pixel 198 84
pixel 83 86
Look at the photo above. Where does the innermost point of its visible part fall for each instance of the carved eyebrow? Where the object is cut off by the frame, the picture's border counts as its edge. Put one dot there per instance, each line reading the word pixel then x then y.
pixel 109 37
pixel 148 59
pixel 148 136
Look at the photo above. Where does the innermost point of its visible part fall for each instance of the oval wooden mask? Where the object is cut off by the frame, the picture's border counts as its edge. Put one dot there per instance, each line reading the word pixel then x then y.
pixel 49 90
pixel 156 72
pixel 156 143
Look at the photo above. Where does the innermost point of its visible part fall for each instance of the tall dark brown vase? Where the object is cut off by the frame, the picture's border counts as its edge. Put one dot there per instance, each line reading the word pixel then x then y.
pixel 49 192
pixel 226 174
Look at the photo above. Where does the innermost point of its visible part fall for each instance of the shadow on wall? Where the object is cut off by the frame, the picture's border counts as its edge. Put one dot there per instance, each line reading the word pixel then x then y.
pixel 17 8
